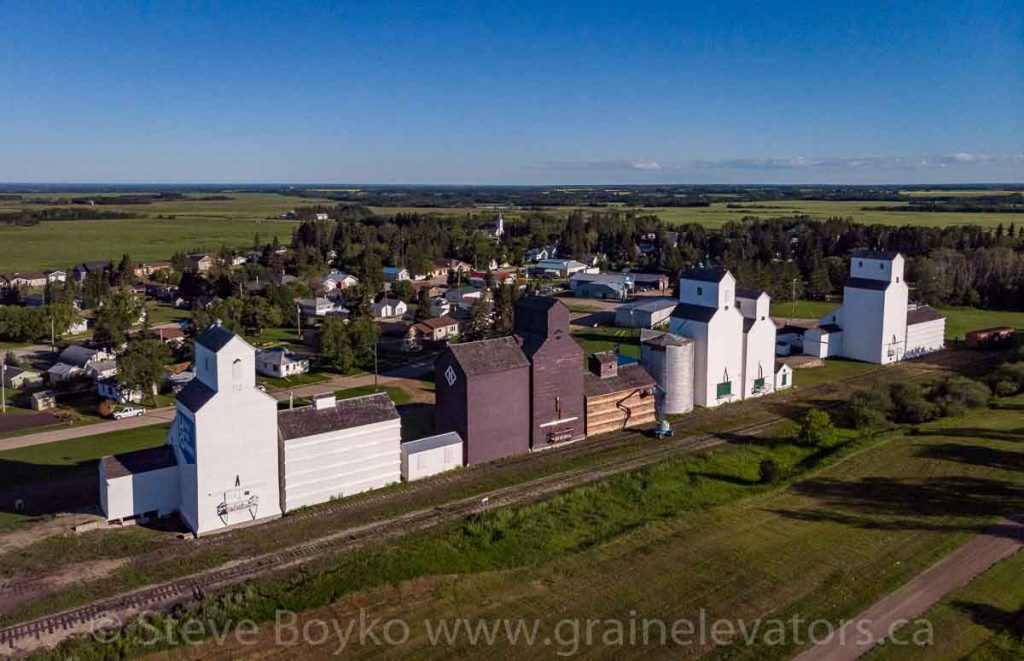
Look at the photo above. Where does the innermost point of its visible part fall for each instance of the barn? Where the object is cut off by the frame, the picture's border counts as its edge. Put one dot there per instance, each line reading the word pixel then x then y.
pixel 482 392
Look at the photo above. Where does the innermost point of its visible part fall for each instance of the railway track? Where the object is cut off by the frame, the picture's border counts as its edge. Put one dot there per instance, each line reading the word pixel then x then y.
pixel 51 629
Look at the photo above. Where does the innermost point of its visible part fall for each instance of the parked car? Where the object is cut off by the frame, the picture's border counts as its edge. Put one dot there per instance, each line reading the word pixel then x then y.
pixel 783 349
pixel 129 412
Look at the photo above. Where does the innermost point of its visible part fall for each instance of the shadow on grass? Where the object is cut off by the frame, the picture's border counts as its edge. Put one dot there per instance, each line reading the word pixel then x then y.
pixel 729 479
pixel 993 618
pixel 1013 435
pixel 909 504
pixel 40 489
pixel 974 455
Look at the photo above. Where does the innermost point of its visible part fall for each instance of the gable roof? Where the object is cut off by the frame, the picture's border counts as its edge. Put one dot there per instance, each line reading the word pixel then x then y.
pixel 650 305
pixel 887 255
pixel 345 414
pixel 438 322
pixel 77 355
pixel 705 274
pixel 485 356
pixel 748 292
pixel 215 337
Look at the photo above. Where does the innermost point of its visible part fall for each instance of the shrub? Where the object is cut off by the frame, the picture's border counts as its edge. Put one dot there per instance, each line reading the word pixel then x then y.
pixel 870 408
pixel 105 408
pixel 768 471
pixel 909 403
pixel 957 394
pixel 816 428
pixel 1008 379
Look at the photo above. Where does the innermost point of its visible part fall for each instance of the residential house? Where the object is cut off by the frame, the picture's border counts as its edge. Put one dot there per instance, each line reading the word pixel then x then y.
pixel 118 392
pixel 280 363
pixel 82 357
pixel 62 373
pixel 20 378
pixel 337 281
pixel 395 274
pixel 437 329
pixel 559 268
pixel 320 215
pixel 147 269
pixel 439 306
pixel 82 270
pixel 386 306
pixel 27 279
pixel 478 279
pixel 56 276
pixel 442 267
pixel 650 282
pixel 200 262
pixel 464 298
pixel 98 370
pixel 315 307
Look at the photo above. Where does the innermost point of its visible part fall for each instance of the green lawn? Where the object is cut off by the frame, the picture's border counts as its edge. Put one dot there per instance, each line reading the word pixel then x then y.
pixel 803 309
pixel 961 320
pixel 398 395
pixel 307 379
pixel 161 313
pixel 604 338
pixel 833 370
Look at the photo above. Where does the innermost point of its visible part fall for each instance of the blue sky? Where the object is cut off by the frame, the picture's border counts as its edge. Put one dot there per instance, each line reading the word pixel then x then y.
pixel 505 92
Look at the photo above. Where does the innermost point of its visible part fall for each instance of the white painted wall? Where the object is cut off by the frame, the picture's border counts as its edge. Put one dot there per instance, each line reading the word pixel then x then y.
pixel 784 377
pixel 341 463
pixel 926 337
pixel 130 495
pixel 758 345
pixel 418 464
pixel 235 438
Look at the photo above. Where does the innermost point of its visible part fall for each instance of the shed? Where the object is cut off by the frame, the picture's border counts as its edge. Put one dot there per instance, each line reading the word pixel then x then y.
pixel 783 375
pixel 431 455
pixel 140 482
pixel 647 313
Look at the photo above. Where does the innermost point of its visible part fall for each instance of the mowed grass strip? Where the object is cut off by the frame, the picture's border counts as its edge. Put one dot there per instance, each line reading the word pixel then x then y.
pixel 693 534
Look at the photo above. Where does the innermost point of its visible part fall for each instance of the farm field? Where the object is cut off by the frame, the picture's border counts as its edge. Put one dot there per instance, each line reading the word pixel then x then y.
pixel 688 539
pixel 863 212
pixel 195 225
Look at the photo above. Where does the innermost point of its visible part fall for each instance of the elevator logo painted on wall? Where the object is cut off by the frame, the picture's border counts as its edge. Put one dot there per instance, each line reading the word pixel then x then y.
pixel 450 376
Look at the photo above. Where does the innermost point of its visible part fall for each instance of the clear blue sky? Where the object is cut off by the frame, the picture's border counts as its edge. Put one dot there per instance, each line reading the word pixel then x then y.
pixel 504 92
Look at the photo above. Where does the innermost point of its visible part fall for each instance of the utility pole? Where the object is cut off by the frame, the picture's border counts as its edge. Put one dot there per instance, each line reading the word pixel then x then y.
pixel 298 319
pixel 53 341
pixel 376 344
pixel 3 386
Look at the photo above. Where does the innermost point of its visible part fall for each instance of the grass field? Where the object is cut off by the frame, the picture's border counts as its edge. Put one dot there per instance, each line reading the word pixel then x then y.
pixel 863 212
pixel 982 620
pixel 693 537
pixel 206 225
pixel 961 320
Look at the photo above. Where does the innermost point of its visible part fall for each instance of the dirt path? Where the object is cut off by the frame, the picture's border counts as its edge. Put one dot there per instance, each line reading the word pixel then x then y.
pixel 921 593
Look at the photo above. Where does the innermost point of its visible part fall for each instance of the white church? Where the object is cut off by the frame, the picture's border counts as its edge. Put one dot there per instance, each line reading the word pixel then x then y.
pixel 876 323
pixel 733 337
pixel 232 458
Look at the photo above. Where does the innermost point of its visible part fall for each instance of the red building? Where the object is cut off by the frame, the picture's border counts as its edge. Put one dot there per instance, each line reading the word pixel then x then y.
pixel 556 371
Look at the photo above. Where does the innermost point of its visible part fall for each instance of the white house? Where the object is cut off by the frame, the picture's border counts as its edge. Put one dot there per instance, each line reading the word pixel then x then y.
pixel 439 306
pixel 431 455
pixel 386 307
pixel 437 329
pixel 876 323
pixel 758 342
pixel 338 280
pixel 707 314
pixel 280 363
pixel 339 448
pixel 395 274
pixel 315 307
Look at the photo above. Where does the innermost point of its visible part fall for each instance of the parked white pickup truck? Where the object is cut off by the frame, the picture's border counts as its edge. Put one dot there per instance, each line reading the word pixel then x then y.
pixel 129 412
